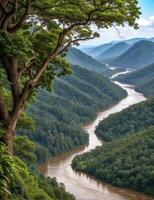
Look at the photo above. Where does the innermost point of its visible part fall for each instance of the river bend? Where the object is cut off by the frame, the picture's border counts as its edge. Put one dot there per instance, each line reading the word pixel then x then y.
pixel 82 186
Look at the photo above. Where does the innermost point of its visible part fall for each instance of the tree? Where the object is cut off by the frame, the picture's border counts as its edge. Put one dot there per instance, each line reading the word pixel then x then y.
pixel 34 37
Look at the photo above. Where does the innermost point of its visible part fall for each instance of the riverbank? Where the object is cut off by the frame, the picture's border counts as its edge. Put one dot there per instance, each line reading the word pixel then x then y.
pixel 80 184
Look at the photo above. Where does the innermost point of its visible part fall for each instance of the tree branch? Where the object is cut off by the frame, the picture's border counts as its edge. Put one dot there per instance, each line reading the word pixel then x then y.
pixel 22 19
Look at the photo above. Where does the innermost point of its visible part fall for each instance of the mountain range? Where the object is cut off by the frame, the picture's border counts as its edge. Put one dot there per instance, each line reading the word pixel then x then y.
pixel 138 56
pixel 95 51
pixel 112 52
pixel 122 54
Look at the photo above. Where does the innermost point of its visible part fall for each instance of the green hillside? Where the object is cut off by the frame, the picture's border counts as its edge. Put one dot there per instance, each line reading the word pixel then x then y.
pixel 127 122
pixel 127 162
pixel 113 51
pixel 75 99
pixel 77 57
pixel 143 80
pixel 138 56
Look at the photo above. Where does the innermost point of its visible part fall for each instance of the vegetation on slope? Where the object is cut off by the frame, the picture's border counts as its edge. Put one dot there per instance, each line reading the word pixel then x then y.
pixel 138 56
pixel 127 162
pixel 127 122
pixel 113 51
pixel 77 57
pixel 26 183
pixel 75 99
pixel 143 80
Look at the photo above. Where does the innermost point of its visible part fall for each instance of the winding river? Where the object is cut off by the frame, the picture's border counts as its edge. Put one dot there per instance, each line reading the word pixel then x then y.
pixel 82 186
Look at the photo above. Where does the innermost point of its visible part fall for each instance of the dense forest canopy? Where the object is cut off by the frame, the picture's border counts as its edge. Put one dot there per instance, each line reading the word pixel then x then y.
pixel 74 100
pixel 127 162
pixel 34 38
pixel 127 122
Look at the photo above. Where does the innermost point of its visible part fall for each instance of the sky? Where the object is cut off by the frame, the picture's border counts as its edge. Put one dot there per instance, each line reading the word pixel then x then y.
pixel 146 27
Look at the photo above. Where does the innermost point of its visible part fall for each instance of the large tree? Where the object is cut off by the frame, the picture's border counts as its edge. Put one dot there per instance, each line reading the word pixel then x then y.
pixel 34 38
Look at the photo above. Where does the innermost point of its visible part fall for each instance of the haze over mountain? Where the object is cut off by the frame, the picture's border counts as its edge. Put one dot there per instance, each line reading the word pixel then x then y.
pixel 77 57
pixel 114 51
pixel 143 80
pixel 138 56
pixel 96 51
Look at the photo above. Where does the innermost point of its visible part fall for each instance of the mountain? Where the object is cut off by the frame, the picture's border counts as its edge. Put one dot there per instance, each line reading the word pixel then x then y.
pixel 143 80
pixel 127 162
pixel 77 57
pixel 113 51
pixel 138 56
pixel 95 51
pixel 132 41
pixel 75 100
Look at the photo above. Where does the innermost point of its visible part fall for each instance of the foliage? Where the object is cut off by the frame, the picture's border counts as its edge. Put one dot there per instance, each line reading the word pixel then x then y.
pixel 7 170
pixel 7 167
pixel 27 152
pixel 27 185
pixel 127 162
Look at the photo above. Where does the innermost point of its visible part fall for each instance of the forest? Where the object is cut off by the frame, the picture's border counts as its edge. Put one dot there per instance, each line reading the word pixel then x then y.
pixel 67 108
pixel 35 36
pixel 126 162
pixel 127 122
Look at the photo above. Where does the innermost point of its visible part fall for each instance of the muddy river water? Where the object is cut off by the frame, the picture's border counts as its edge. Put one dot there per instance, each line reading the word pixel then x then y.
pixel 82 186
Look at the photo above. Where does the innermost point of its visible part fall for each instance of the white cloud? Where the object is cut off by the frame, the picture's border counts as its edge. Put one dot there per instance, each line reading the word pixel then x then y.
pixel 146 22
pixel 146 30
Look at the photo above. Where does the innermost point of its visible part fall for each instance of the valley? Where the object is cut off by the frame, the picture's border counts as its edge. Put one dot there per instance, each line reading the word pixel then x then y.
pixel 84 186
pixel 76 100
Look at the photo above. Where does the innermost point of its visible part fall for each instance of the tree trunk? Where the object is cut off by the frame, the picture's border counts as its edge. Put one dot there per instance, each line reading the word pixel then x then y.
pixel 9 139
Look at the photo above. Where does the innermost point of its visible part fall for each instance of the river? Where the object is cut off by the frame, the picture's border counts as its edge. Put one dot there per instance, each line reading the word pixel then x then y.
pixel 82 186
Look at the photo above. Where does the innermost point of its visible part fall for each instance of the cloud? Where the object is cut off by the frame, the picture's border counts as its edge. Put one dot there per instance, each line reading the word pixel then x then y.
pixel 146 30
pixel 147 23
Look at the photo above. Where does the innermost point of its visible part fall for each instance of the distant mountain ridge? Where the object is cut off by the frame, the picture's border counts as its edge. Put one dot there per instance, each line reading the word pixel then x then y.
pixel 137 56
pixel 96 51
pixel 114 51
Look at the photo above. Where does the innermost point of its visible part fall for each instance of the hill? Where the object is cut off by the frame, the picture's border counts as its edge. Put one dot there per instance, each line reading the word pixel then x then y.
pixel 138 56
pixel 95 51
pixel 75 99
pixel 128 162
pixel 113 51
pixel 143 80
pixel 77 57
pixel 127 122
